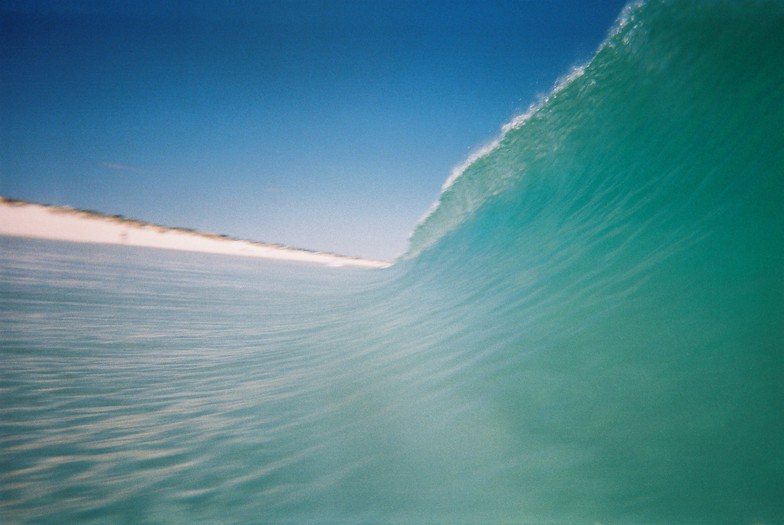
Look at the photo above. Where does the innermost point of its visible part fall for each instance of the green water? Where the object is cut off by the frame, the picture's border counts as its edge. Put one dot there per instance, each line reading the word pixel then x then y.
pixel 589 327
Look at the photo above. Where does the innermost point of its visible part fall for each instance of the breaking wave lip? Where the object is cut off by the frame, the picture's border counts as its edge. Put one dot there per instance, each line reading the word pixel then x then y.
pixel 624 19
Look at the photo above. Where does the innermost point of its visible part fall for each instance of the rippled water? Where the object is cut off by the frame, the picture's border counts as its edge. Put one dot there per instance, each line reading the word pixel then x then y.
pixel 588 328
pixel 142 385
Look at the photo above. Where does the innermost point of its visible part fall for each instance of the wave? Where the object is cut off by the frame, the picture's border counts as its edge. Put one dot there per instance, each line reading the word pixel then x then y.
pixel 631 53
pixel 612 269
pixel 588 327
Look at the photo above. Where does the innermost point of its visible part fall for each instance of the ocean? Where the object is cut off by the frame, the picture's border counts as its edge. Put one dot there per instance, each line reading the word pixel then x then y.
pixel 587 327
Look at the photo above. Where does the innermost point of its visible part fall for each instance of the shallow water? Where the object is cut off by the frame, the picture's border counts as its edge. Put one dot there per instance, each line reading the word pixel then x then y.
pixel 588 328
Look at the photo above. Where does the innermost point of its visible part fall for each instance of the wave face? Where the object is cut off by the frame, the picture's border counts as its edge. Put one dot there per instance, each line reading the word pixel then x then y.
pixel 589 327
pixel 613 271
pixel 667 97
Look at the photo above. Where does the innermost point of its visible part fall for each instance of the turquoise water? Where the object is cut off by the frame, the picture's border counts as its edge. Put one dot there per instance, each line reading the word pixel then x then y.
pixel 589 327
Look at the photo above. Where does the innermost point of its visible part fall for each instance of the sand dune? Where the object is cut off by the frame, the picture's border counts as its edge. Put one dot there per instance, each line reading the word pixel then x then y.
pixel 24 219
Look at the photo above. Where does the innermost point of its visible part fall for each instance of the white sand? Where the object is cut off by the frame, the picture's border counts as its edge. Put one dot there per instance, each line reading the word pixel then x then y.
pixel 23 219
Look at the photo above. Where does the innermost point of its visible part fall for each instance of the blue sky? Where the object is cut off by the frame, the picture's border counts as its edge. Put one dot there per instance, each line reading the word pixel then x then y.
pixel 328 125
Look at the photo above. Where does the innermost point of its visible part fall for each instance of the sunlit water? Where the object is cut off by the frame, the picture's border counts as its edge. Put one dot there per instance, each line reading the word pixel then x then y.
pixel 588 328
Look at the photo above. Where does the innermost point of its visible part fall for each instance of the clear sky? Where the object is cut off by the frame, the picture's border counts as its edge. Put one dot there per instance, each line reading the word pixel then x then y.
pixel 328 125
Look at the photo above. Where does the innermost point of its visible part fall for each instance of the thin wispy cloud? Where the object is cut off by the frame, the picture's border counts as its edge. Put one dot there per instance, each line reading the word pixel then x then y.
pixel 114 166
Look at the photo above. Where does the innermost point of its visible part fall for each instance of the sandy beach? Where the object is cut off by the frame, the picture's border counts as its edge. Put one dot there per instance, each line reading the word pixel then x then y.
pixel 23 219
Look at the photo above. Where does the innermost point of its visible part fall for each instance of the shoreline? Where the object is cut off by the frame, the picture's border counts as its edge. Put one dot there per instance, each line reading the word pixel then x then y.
pixel 26 219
